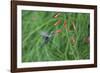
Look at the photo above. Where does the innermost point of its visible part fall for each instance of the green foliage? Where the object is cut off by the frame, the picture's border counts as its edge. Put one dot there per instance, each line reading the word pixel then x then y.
pixel 66 45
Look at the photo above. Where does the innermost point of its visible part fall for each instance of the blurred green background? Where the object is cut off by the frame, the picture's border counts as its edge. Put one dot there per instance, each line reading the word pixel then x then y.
pixel 70 44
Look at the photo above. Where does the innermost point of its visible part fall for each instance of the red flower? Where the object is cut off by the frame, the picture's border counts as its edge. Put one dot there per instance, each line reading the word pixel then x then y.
pixel 56 15
pixel 57 23
pixel 65 23
pixel 58 31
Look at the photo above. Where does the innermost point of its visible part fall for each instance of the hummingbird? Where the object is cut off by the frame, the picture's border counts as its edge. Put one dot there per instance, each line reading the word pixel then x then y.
pixel 46 37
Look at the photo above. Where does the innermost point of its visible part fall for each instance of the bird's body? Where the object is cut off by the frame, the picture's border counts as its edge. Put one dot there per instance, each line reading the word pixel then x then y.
pixel 46 37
